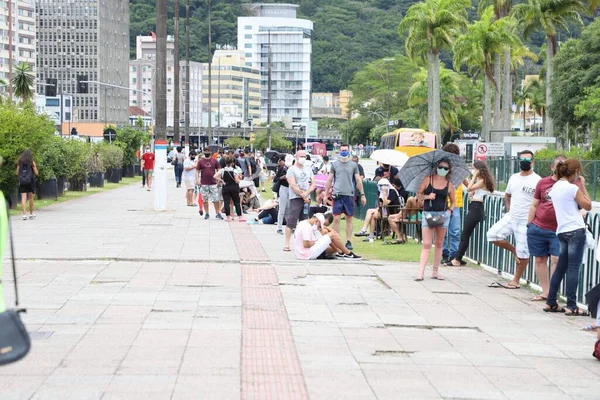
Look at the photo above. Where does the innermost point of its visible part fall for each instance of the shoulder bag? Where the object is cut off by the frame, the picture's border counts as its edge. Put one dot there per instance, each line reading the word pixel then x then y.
pixel 14 339
pixel 436 221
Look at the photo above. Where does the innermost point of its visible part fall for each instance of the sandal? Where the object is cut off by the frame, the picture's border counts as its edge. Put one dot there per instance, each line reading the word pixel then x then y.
pixel 393 242
pixel 539 298
pixel 419 279
pixel 361 233
pixel 554 309
pixel 437 277
pixel 576 312
pixel 287 248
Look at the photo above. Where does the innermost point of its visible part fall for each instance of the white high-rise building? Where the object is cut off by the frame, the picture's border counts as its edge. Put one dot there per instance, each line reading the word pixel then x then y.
pixel 275 27
pixel 141 78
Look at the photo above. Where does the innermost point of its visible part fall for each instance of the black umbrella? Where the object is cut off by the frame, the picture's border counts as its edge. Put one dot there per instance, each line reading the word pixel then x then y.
pixel 418 167
pixel 593 297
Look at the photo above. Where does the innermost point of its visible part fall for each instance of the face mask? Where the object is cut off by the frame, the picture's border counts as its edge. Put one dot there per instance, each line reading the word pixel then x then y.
pixel 385 167
pixel 442 172
pixel 147 150
pixel 474 172
pixel 301 160
pixel 344 154
pixel 525 165
pixel 192 158
pixel 207 155
pixel 315 227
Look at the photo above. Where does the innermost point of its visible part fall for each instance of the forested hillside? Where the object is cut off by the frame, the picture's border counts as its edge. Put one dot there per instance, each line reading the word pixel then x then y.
pixel 348 33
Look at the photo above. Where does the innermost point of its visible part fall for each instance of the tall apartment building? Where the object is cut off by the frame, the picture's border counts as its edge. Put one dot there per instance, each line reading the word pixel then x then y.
pixel 88 38
pixel 17 36
pixel 274 28
pixel 235 88
pixel 141 78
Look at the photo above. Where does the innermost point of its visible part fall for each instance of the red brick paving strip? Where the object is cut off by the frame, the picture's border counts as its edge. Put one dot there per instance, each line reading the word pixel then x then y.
pixel 270 365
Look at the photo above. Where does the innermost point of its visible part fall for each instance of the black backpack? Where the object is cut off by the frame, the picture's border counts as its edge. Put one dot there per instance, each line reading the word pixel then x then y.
pixel 25 174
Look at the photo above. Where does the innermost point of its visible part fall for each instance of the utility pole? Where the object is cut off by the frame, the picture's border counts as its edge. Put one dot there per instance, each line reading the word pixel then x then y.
pixel 210 136
pixel 187 72
pixel 176 113
pixel 269 84
pixel 219 95
pixel 160 129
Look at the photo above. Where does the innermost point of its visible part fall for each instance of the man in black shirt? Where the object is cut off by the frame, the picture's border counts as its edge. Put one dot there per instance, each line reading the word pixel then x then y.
pixel 385 171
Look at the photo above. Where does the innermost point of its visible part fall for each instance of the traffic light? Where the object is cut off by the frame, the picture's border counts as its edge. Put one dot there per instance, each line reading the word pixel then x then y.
pixel 82 84
pixel 50 88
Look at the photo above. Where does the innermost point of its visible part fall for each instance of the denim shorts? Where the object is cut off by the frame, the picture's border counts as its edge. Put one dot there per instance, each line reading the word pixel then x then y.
pixel 445 214
pixel 542 242
pixel 343 205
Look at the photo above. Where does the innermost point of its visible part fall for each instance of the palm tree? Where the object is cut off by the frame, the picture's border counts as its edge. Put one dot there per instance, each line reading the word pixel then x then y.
pixel 432 26
pixel 537 101
pixel 23 81
pixel 478 48
pixel 523 96
pixel 548 15
pixel 451 97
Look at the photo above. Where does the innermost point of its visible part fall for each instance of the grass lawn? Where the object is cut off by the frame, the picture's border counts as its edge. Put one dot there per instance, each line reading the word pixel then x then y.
pixel 410 251
pixel 69 195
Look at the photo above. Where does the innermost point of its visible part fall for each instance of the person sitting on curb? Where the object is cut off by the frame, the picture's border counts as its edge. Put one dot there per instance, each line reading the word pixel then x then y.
pixel 311 244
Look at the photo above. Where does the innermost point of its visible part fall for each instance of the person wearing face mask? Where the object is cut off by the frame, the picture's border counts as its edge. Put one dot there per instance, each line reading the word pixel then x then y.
pixel 344 174
pixel 313 241
pixel 283 188
pixel 148 166
pixel 206 168
pixel 188 175
pixel 301 185
pixel 567 199
pixel 385 171
pixel 435 191
pixel 518 198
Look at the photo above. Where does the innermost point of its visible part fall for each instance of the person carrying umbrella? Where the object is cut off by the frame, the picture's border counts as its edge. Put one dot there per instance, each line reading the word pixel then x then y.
pixel 434 176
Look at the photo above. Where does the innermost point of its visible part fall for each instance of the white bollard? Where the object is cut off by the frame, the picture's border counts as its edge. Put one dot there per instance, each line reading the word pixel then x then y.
pixel 159 185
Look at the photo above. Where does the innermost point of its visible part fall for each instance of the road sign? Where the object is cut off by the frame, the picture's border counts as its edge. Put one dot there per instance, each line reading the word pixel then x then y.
pixel 312 131
pixel 490 149
pixel 110 134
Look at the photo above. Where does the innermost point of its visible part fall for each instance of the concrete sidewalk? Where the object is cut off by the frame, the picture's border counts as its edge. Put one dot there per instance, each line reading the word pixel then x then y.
pixel 125 303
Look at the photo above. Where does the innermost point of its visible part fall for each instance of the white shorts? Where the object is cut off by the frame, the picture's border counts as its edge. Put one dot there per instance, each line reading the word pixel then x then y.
pixel 511 226
pixel 319 247
pixel 189 184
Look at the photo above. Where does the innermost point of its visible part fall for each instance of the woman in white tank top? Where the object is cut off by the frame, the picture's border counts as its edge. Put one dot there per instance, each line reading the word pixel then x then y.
pixel 481 184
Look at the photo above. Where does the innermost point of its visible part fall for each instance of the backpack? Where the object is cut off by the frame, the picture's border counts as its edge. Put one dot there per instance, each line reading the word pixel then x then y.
pixel 25 174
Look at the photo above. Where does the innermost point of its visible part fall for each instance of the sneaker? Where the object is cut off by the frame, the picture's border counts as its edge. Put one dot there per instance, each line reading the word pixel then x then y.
pixel 369 238
pixel 361 233
pixel 340 255
pixel 349 246
pixel 242 219
pixel 206 216
pixel 25 218
pixel 201 212
pixel 280 231
pixel 219 216
pixel 228 219
pixel 352 256
pixel 31 216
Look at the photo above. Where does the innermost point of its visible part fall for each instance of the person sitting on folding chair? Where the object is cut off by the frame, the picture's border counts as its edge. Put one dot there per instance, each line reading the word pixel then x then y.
pixel 389 199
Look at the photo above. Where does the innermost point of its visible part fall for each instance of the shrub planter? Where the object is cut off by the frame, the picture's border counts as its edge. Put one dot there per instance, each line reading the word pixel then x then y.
pixel 14 200
pixel 113 175
pixel 78 185
pixel 61 185
pixel 48 190
pixel 137 169
pixel 129 171
pixel 96 179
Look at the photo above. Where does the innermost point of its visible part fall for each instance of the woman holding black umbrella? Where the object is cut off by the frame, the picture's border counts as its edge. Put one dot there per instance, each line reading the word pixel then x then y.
pixel 435 190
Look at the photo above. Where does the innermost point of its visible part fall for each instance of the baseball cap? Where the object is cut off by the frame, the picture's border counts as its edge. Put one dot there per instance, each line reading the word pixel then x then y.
pixel 383 181
pixel 321 218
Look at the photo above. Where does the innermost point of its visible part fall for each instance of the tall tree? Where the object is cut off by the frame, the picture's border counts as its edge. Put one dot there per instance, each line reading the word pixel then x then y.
pixel 548 16
pixel 160 125
pixel 22 81
pixel 479 49
pixel 176 71
pixel 432 26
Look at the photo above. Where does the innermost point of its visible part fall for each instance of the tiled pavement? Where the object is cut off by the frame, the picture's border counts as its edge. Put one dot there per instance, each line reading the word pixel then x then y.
pixel 127 303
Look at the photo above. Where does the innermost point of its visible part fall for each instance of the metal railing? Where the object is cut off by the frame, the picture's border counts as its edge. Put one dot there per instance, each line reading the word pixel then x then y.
pixel 491 256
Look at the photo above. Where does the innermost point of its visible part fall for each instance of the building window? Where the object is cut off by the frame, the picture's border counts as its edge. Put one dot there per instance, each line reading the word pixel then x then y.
pixel 248 55
pixel 248 45
pixel 133 80
pixel 67 103
pixel 67 116
pixel 248 36
pixel 248 27
pixel 52 103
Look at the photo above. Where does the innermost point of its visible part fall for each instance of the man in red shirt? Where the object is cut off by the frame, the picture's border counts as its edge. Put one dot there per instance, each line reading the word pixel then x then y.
pixel 148 166
pixel 206 167
pixel 541 230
